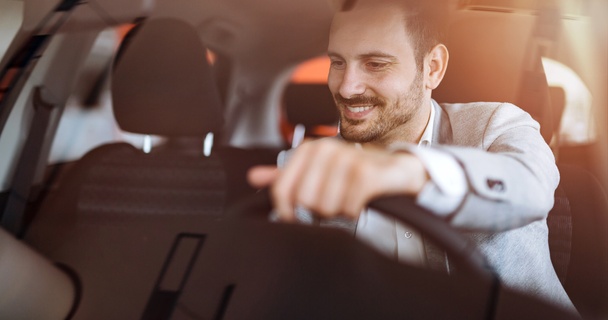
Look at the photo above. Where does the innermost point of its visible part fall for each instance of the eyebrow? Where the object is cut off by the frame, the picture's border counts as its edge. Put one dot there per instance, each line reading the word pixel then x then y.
pixel 373 54
pixel 334 55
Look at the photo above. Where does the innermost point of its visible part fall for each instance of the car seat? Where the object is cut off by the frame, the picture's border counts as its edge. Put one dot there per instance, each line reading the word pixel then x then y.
pixel 490 60
pixel 586 280
pixel 161 85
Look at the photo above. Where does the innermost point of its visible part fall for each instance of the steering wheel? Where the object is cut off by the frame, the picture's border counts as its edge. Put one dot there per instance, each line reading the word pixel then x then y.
pixel 462 253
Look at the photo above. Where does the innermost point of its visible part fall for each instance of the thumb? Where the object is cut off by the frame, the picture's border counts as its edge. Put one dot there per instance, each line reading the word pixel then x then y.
pixel 262 176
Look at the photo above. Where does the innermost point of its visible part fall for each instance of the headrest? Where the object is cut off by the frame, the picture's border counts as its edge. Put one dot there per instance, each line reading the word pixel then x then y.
pixel 162 83
pixel 491 55
pixel 310 104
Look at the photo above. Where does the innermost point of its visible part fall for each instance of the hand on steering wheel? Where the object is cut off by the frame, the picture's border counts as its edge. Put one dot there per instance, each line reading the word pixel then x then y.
pixel 333 178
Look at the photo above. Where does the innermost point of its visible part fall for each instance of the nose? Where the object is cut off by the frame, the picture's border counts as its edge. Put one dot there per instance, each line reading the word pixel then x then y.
pixel 351 83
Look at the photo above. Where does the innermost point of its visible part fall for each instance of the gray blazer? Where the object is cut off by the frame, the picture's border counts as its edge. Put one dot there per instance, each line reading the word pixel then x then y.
pixel 512 177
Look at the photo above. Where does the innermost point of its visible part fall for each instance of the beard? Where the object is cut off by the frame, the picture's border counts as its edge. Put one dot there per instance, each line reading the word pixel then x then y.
pixel 388 116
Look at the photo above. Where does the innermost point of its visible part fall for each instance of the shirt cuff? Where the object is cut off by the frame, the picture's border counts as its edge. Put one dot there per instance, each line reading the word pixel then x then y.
pixel 447 187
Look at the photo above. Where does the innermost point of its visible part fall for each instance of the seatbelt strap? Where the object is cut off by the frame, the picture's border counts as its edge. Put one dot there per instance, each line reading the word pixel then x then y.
pixel 25 173
pixel 12 79
pixel 17 70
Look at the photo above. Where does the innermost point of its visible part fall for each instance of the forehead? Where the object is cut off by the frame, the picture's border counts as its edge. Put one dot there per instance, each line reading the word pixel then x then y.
pixel 367 29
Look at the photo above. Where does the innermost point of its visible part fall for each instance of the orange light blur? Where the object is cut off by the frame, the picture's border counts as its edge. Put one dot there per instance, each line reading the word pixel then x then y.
pixel 211 57
pixel 122 30
pixel 312 71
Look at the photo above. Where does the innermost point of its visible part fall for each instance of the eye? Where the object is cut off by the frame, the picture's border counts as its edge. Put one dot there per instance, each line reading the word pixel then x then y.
pixel 375 65
pixel 337 64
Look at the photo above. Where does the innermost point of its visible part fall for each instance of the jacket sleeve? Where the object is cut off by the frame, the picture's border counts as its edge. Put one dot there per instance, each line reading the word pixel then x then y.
pixel 510 177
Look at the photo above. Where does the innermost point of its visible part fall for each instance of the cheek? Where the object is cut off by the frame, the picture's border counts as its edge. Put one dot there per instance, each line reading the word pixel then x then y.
pixel 389 87
pixel 333 80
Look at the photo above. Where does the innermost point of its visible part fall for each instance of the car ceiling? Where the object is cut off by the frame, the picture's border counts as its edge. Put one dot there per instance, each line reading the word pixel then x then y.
pixel 261 31
pixel 264 31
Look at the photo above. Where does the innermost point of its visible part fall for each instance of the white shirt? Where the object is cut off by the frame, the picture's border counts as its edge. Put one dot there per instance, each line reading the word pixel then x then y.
pixel 441 195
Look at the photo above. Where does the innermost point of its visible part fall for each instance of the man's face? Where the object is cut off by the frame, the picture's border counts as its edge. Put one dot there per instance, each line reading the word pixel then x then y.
pixel 376 84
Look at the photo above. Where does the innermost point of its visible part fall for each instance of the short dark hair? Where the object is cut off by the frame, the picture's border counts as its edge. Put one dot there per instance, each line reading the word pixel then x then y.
pixel 425 20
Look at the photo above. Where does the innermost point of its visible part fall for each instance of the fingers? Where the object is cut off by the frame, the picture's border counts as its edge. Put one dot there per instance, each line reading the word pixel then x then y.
pixel 324 169
pixel 316 177
pixel 332 193
pixel 356 198
pixel 332 178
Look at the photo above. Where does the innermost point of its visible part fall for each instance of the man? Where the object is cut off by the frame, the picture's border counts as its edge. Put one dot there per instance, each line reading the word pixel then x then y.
pixel 484 167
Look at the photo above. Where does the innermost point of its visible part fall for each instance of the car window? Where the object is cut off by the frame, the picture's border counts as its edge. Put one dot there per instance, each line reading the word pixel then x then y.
pixel 88 120
pixel 10 20
pixel 577 121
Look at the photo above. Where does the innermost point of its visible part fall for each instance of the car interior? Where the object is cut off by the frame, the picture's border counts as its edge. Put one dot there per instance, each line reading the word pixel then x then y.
pixel 127 129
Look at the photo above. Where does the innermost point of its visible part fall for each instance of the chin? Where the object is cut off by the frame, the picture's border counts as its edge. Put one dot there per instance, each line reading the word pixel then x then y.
pixel 360 136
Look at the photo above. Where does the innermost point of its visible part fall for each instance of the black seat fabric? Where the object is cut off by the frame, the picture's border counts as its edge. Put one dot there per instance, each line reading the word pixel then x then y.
pixel 116 181
pixel 161 85
pixel 559 222
pixel 586 281
pixel 310 104
pixel 114 214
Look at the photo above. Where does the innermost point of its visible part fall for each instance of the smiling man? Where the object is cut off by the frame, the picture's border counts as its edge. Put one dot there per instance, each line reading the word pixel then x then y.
pixel 362 62
pixel 484 167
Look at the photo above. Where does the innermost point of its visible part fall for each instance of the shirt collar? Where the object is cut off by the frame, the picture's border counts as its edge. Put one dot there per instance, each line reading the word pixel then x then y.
pixel 427 135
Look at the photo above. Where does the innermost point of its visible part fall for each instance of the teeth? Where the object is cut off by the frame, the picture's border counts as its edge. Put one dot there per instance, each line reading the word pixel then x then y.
pixel 359 109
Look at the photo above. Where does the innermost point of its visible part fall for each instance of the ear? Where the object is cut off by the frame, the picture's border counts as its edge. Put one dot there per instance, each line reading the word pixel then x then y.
pixel 436 62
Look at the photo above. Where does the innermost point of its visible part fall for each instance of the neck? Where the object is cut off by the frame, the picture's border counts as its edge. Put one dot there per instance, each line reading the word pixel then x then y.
pixel 409 132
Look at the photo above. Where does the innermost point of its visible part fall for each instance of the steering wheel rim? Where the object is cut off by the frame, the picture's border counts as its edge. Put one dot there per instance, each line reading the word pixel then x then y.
pixel 462 252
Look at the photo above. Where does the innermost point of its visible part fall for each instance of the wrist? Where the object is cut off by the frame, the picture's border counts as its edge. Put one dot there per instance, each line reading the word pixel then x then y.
pixel 412 173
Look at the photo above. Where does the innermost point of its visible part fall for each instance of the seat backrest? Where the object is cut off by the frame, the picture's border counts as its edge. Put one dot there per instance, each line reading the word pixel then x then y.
pixel 310 104
pixel 586 281
pixel 310 111
pixel 493 58
pixel 161 85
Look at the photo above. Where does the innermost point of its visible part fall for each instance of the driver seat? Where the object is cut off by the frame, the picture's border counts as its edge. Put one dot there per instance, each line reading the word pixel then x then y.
pixel 586 278
pixel 489 62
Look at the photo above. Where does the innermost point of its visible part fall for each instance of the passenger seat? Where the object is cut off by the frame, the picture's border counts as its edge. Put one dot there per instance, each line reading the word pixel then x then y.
pixel 115 214
pixel 161 85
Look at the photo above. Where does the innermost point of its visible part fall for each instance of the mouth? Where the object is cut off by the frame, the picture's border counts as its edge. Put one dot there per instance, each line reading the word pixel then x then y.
pixel 359 109
pixel 358 112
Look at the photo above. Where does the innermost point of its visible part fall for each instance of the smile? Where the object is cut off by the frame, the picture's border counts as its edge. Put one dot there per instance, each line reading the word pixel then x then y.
pixel 359 109
pixel 359 112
